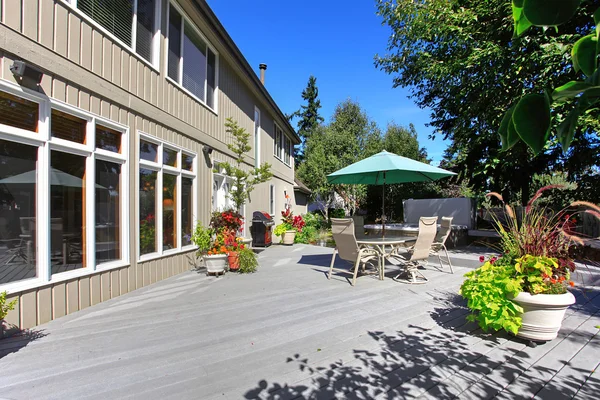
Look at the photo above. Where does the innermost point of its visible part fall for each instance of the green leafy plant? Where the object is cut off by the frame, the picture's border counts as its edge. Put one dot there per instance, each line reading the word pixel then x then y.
pixel 202 237
pixel 247 260
pixel 4 306
pixel 488 290
pixel 308 235
pixel 244 180
pixel 282 228
pixel 530 119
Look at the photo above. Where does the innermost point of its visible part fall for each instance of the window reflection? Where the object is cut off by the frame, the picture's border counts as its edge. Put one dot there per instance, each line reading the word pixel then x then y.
pixel 17 211
pixel 169 211
pixel 108 139
pixel 170 157
pixel 68 127
pixel 147 211
pixel 148 151
pixel 67 212
pixel 108 206
pixel 18 112
pixel 186 210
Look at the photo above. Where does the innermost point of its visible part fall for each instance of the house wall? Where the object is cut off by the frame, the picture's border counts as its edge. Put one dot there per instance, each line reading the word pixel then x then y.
pixel 85 68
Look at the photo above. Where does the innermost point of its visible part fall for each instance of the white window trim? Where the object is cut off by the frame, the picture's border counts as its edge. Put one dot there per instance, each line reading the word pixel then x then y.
pixel 186 19
pixel 272 200
pixel 179 172
pixel 281 148
pixel 45 144
pixel 224 179
pixel 154 64
pixel 257 137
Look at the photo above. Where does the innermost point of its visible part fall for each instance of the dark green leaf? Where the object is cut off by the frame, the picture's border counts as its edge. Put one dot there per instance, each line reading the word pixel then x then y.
pixel 566 129
pixel 521 22
pixel 584 55
pixel 549 12
pixel 507 131
pixel 570 90
pixel 531 119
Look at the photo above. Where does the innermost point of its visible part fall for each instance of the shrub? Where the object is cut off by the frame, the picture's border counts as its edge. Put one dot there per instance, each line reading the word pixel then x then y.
pixel 247 260
pixel 202 237
pixel 308 235
pixel 337 213
pixel 5 307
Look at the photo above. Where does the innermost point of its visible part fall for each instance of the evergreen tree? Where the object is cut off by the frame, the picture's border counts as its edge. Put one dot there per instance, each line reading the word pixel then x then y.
pixel 308 114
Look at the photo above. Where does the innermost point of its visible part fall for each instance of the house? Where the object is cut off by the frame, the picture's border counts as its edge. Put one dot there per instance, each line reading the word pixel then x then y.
pixel 111 134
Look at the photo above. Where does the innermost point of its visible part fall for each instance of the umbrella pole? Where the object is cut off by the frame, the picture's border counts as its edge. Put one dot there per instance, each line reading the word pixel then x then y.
pixel 383 209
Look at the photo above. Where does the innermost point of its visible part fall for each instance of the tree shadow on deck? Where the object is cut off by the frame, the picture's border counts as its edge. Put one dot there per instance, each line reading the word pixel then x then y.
pixel 411 362
pixel 19 340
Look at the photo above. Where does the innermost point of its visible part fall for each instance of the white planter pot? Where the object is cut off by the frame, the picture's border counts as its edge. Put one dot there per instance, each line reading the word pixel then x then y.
pixel 542 314
pixel 288 237
pixel 216 264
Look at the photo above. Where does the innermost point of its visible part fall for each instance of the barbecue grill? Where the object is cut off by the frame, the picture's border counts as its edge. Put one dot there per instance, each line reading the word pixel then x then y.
pixel 262 224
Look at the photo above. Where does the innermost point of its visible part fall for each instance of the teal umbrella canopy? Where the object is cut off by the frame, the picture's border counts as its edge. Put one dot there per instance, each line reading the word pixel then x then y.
pixel 385 168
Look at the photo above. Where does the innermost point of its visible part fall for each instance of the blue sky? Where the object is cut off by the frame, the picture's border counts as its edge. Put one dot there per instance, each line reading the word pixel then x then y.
pixel 334 40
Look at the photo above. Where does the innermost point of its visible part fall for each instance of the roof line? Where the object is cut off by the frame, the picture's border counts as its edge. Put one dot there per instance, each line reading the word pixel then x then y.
pixel 235 51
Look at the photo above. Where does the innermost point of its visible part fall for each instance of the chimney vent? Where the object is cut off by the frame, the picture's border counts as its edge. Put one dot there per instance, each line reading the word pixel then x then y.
pixel 263 68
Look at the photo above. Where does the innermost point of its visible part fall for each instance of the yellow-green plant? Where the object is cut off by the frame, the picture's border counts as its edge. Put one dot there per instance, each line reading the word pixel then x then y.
pixel 5 307
pixel 489 290
pixel 247 260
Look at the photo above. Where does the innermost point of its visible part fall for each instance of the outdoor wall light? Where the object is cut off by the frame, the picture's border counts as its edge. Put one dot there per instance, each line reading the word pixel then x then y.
pixel 21 70
pixel 208 150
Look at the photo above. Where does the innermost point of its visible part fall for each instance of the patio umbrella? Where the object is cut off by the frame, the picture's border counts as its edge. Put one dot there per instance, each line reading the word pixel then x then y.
pixel 383 168
pixel 57 178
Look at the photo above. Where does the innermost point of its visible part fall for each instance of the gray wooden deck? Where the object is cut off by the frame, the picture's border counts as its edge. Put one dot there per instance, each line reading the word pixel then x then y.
pixel 288 332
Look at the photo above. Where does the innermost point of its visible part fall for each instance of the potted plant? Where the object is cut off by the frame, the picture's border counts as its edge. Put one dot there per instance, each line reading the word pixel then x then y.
pixel 4 309
pixel 290 224
pixel 247 260
pixel 234 246
pixel 211 247
pixel 525 290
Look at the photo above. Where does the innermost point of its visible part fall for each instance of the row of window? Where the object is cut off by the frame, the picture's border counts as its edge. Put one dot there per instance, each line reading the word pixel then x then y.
pixel 64 179
pixel 282 146
pixel 191 62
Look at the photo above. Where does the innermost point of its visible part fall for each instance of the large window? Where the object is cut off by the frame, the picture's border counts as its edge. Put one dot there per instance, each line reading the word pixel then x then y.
pixel 272 200
pixel 62 195
pixel 133 22
pixel 190 61
pixel 222 185
pixel 282 146
pixel 166 193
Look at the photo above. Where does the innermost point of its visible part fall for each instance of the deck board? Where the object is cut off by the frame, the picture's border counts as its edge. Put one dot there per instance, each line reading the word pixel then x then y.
pixel 288 332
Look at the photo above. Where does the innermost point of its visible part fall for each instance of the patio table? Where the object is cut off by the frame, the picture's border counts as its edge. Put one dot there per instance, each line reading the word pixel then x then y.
pixel 380 243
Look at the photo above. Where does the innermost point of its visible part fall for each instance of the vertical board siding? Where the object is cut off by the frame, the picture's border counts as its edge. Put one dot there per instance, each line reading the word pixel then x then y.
pixel 74 38
pixel 84 292
pixel 44 306
pixel 59 301
pixel 28 309
pixel 72 296
pixel 30 18
pixel 61 33
pixel 13 14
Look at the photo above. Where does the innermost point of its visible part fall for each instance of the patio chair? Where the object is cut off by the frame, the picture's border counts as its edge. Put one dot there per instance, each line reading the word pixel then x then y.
pixel 418 253
pixel 359 226
pixel 439 243
pixel 346 247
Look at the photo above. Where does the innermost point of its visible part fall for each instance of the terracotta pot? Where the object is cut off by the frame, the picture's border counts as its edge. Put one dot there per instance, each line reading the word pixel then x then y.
pixel 215 264
pixel 542 314
pixel 288 237
pixel 233 259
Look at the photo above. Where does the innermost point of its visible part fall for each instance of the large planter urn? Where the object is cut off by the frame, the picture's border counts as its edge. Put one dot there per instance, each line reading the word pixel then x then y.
pixel 542 314
pixel 215 264
pixel 233 260
pixel 288 237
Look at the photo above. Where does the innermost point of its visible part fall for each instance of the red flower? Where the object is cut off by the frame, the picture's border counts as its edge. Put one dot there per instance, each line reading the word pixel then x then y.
pixel 481 258
pixel 572 283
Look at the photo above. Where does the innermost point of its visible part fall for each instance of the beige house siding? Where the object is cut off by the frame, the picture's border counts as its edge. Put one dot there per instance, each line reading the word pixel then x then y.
pixel 85 68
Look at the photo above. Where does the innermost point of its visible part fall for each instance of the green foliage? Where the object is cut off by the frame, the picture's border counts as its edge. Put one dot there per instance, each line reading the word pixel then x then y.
pixel 308 114
pixel 243 180
pixel 4 306
pixel 460 61
pixel 247 260
pixel 488 290
pixel 202 237
pixel 581 96
pixel 308 234
pixel 333 147
pixel 338 213
pixel 282 228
